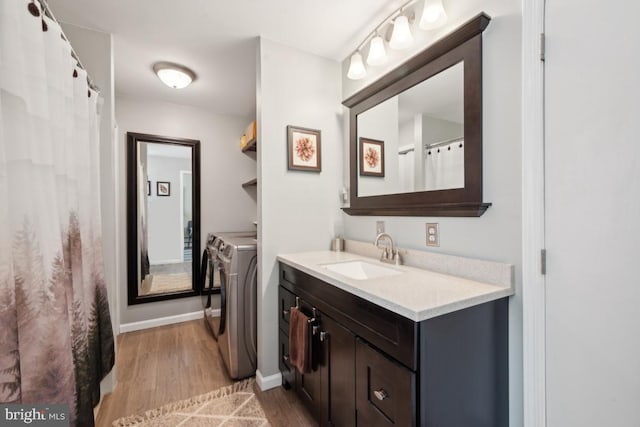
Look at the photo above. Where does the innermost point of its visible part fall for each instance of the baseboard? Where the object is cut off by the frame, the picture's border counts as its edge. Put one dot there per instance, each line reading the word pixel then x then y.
pixel 267 383
pixel 161 321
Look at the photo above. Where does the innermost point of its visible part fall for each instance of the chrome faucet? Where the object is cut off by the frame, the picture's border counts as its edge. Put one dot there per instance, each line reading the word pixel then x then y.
pixel 389 255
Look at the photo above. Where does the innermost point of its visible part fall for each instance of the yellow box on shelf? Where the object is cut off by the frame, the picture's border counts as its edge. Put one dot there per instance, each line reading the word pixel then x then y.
pixel 243 142
pixel 251 131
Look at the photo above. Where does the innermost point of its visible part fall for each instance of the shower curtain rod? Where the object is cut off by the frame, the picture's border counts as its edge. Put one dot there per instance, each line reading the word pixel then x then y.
pixel 74 55
pixel 441 143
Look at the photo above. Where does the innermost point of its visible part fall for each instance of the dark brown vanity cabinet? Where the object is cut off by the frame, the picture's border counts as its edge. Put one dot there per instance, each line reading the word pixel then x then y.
pixel 374 367
pixel 329 390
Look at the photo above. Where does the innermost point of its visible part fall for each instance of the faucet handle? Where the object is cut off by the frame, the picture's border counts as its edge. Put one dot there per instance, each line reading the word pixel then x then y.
pixel 396 257
pixel 385 254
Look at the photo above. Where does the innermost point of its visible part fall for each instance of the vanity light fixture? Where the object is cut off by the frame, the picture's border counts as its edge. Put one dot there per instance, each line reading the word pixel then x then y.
pixel 377 54
pixel 356 68
pixel 401 38
pixel 174 75
pixel 433 16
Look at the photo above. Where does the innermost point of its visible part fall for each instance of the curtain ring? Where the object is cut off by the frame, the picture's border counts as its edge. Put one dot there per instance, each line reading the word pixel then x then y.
pixel 75 73
pixel 33 9
pixel 45 27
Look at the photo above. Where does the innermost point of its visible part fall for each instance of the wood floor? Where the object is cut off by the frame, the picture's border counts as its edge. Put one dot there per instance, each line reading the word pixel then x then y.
pixel 162 365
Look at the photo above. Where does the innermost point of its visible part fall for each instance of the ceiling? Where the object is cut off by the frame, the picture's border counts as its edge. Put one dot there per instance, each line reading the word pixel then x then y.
pixel 217 40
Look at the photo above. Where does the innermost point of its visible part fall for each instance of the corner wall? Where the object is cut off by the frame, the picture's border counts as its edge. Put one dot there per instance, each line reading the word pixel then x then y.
pixel 297 211
pixel 224 204
pixel 496 236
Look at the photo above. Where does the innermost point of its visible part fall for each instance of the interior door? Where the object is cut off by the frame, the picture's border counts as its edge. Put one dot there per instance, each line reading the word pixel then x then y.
pixel 592 232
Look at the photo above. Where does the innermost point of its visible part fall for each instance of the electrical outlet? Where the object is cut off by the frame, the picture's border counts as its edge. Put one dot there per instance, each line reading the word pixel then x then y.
pixel 379 227
pixel 433 234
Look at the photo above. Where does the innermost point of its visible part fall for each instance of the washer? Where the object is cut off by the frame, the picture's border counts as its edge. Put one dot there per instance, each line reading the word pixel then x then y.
pixel 238 299
pixel 210 276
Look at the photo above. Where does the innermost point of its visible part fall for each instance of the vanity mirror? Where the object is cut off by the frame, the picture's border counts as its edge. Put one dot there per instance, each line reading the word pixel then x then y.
pixel 426 120
pixel 163 217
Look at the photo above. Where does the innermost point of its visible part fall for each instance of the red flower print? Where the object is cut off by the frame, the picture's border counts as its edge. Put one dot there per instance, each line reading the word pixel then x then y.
pixel 305 149
pixel 371 157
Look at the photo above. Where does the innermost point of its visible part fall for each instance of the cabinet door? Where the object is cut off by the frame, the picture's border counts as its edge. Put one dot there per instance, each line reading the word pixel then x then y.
pixel 288 372
pixel 385 390
pixel 309 385
pixel 339 347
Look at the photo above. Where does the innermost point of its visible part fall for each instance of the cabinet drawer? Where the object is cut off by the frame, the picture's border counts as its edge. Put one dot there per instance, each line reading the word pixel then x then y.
pixel 288 371
pixel 286 301
pixel 385 390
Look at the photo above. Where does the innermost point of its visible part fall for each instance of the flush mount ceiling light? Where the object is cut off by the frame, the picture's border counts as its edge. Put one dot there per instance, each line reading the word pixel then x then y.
pixel 356 67
pixel 433 15
pixel 399 22
pixel 174 75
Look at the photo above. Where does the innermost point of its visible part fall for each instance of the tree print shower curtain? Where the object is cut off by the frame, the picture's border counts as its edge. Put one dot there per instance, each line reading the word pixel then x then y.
pixel 56 341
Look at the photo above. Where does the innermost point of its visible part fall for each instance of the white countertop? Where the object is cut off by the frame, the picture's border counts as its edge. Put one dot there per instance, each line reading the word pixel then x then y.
pixel 416 294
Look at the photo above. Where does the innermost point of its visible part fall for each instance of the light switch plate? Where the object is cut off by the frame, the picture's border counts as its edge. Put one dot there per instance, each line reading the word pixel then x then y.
pixel 379 227
pixel 433 234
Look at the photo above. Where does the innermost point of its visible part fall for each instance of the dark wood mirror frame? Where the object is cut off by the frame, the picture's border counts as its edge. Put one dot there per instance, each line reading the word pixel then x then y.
pixel 133 264
pixel 463 44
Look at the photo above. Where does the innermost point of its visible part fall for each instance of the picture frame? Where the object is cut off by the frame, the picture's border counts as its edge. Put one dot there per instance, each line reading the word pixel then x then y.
pixel 304 149
pixel 371 157
pixel 163 188
pixel 148 188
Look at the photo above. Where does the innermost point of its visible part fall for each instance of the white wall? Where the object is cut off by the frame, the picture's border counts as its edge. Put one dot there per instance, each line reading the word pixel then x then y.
pixel 225 205
pixel 164 214
pixel 297 210
pixel 96 53
pixel 497 234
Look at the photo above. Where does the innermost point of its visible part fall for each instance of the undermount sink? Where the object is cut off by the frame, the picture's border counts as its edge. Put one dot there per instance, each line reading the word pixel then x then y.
pixel 361 270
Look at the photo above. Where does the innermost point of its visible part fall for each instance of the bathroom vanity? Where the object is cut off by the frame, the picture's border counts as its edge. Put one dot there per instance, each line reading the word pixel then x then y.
pixel 396 345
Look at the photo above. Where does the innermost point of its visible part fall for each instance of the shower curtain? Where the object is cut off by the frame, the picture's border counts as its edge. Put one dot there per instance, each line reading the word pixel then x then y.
pixel 56 341
pixel 444 167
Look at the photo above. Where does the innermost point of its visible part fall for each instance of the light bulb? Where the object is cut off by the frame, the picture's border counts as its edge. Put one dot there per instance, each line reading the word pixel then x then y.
pixel 401 37
pixel 356 67
pixel 433 15
pixel 377 54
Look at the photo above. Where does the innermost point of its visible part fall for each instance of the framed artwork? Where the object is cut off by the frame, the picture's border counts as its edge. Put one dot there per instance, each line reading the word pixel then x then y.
pixel 148 188
pixel 304 150
pixel 371 157
pixel 163 188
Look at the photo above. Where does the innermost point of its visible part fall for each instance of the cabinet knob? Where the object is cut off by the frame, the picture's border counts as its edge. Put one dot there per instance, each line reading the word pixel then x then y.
pixel 285 313
pixel 381 394
pixel 286 358
pixel 324 335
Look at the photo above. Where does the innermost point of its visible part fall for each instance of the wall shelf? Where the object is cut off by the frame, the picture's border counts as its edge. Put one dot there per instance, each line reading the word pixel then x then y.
pixel 251 145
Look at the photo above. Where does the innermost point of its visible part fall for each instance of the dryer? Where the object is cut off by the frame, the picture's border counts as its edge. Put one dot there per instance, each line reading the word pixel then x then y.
pixel 237 339
pixel 210 275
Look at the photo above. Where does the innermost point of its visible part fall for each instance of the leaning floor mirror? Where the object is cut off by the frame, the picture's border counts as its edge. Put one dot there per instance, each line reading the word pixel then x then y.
pixel 163 217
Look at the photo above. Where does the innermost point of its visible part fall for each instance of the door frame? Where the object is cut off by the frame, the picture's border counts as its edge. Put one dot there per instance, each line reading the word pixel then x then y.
pixel 533 215
pixel 182 174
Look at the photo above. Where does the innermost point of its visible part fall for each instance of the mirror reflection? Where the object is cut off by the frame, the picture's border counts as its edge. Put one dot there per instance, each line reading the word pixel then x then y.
pixel 165 208
pixel 414 141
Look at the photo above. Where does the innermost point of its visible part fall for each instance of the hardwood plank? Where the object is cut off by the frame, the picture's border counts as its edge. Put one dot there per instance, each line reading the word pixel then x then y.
pixel 174 362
